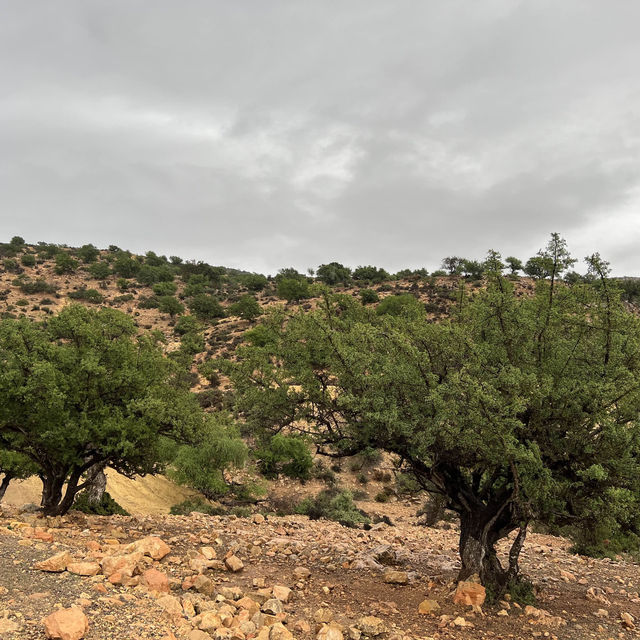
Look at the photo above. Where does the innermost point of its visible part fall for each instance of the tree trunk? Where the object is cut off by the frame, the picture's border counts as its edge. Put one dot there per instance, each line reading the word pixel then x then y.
pixel 478 537
pixel 51 493
pixel 96 483
pixel 5 484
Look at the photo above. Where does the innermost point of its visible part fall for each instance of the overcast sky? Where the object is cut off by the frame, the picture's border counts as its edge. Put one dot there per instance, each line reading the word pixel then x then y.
pixel 261 134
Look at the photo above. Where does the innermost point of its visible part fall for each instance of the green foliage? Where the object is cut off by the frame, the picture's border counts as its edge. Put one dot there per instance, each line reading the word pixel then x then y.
pixel 209 370
pixel 83 389
pixel 87 295
pixel 123 284
pixel 285 455
pixel 165 288
pixel 515 264
pixel 10 265
pixel 206 307
pixel 125 265
pixel 99 270
pixel 525 405
pixel 197 284
pixel 293 289
pixel 187 324
pixel 403 304
pixel 17 242
pixel 201 465
pixel 150 275
pixel 88 253
pixel 255 281
pixel 333 504
pixel 106 507
pixel 370 274
pixel 39 285
pixel 170 305
pixel 65 263
pixel 368 296
pixel 148 302
pixel 28 260
pixel 246 308
pixel 333 273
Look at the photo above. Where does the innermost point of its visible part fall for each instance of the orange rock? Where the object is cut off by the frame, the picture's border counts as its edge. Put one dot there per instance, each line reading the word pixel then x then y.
pixel 234 564
pixel 84 568
pixel 428 606
pixel 470 594
pixel 151 546
pixel 155 580
pixel 66 624
pixel 126 564
pixel 55 564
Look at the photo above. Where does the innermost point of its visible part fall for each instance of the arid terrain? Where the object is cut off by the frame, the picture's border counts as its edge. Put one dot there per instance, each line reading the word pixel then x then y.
pixel 311 576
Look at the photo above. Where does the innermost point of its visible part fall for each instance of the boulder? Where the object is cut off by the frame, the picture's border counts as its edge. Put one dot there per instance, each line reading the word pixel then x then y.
pixel 84 568
pixel 151 546
pixel 470 594
pixel 155 580
pixel 66 624
pixel 428 606
pixel 55 564
pixel 234 564
pixel 395 577
pixel 371 626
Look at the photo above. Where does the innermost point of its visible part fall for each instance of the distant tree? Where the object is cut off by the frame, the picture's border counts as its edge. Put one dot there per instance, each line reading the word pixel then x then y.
pixel 368 296
pixel 197 284
pixel 187 324
pixel 28 260
pixel 175 260
pixel 88 253
pixel 124 265
pixel 170 305
pixel 65 263
pixel 246 308
pixel 100 270
pixel 472 269
pixel 293 289
pixel 370 274
pixel 400 305
pixel 255 281
pixel 154 260
pixel 206 307
pixel 453 265
pixel 515 264
pixel 17 242
pixel 149 274
pixel 165 288
pixel 333 273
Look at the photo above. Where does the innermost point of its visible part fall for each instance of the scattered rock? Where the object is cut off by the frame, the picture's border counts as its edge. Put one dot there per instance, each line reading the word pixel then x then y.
pixel 428 607
pixel 66 624
pixel 84 568
pixel 55 564
pixel 371 626
pixel 234 564
pixel 470 594
pixel 395 577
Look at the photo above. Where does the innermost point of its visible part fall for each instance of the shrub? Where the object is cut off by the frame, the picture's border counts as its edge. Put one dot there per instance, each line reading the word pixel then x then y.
pixel 124 265
pixel 10 265
pixel 28 260
pixel 206 307
pixel 152 274
pixel 106 507
pixel 36 286
pixel 293 289
pixel 404 304
pixel 23 302
pixel 170 305
pixel 88 253
pixel 368 296
pixel 87 295
pixel 99 270
pixel 165 288
pixel 148 302
pixel 255 282
pixel 286 455
pixel 65 263
pixel 333 504
pixel 210 398
pixel 46 301
pixel 187 324
pixel 246 308
pixel 125 297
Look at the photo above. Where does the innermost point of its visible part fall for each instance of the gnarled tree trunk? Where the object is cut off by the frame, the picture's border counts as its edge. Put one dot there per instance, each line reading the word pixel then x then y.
pixel 6 481
pixel 96 483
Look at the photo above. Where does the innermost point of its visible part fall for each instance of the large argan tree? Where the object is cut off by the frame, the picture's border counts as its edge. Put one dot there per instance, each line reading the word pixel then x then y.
pixel 84 389
pixel 517 408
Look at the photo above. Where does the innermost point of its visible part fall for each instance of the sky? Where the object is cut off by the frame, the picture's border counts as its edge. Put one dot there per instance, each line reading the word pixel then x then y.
pixel 262 134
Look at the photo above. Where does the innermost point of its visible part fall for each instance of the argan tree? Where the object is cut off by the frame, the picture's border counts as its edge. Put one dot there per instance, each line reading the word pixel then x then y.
pixel 84 390
pixel 514 409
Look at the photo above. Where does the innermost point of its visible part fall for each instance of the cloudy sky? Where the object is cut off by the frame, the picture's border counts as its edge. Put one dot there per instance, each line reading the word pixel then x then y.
pixel 270 133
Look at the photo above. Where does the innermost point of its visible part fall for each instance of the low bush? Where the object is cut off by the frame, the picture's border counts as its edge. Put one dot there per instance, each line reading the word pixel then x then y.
pixel 106 507
pixel 198 505
pixel 333 504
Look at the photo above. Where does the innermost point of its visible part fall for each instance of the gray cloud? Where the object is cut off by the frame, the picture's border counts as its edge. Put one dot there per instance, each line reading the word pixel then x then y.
pixel 268 134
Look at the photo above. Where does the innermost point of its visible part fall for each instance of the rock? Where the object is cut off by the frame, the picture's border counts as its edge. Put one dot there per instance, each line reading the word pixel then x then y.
pixel 258 518
pixel 8 626
pixel 84 568
pixel 209 621
pixel 601 613
pixel 155 580
pixel 249 604
pixel 55 564
pixel 279 632
pixel 196 634
pixel 171 606
pixel 428 607
pixel 281 593
pixel 395 577
pixel 323 615
pixel 234 564
pixel 332 631
pixel 126 565
pixel 151 546
pixel 371 626
pixel 208 552
pixel 273 607
pixel 567 576
pixel 503 612
pixel 66 624
pixel 628 620
pixel 461 622
pixel 470 594
pixel 301 573
pixel 204 585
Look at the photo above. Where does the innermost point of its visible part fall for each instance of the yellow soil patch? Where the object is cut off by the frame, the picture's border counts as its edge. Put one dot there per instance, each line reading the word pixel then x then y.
pixel 148 495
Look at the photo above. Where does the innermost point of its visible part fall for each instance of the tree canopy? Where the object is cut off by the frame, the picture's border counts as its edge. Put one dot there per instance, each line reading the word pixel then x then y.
pixel 514 409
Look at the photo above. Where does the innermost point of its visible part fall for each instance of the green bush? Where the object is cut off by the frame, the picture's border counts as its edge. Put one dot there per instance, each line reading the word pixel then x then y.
pixel 165 288
pixel 10 265
pixel 99 270
pixel 23 302
pixel 125 297
pixel 65 263
pixel 106 507
pixel 37 286
pixel 206 307
pixel 87 295
pixel 246 308
pixel 368 296
pixel 148 302
pixel 404 304
pixel 333 504
pixel 28 260
pixel 286 455
pixel 170 305
pixel 187 324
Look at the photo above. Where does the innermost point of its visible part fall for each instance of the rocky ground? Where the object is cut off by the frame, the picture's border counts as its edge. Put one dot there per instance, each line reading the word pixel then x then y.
pixel 197 576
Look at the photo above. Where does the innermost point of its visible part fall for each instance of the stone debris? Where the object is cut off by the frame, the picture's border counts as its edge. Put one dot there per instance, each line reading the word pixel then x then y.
pixel 66 624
